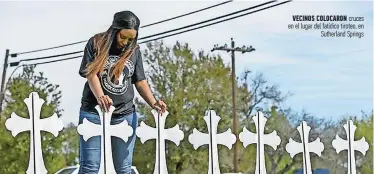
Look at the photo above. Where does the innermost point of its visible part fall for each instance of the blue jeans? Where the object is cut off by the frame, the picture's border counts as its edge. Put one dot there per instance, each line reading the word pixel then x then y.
pixel 122 152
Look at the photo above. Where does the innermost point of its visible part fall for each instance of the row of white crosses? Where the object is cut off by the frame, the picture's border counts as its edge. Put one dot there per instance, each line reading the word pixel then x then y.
pixel 53 124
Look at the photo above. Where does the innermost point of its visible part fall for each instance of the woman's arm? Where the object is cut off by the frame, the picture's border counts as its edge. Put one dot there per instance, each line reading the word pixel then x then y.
pixel 142 85
pixel 103 100
pixel 144 91
pixel 88 56
pixel 95 86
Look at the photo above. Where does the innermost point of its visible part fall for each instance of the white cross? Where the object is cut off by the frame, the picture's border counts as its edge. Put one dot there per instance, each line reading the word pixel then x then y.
pixel 305 147
pixel 351 145
pixel 34 124
pixel 145 132
pixel 122 130
pixel 198 139
pixel 260 139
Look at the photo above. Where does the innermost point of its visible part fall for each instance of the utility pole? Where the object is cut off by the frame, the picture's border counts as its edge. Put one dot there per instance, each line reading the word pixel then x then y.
pixel 243 49
pixel 2 92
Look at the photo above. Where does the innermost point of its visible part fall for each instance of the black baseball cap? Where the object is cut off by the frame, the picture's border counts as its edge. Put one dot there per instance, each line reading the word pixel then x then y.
pixel 125 20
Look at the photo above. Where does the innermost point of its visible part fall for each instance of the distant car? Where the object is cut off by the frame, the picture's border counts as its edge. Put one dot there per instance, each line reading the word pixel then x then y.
pixel 69 170
pixel 75 169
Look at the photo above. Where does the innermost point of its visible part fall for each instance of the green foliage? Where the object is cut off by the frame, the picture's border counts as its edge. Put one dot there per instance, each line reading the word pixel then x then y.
pixel 364 163
pixel 189 84
pixel 365 129
pixel 14 151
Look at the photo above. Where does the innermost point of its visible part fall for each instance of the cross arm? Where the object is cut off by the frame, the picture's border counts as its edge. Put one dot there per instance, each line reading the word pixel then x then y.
pixel 121 130
pixel 198 138
pixel 316 147
pixel 51 124
pixel 145 133
pixel 88 129
pixel 361 146
pixel 247 137
pixel 226 138
pixel 272 140
pixel 174 134
pixel 17 124
pixel 339 144
pixel 294 147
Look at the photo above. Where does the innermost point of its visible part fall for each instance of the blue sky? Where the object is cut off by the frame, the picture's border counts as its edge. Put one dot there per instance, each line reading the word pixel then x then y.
pixel 329 77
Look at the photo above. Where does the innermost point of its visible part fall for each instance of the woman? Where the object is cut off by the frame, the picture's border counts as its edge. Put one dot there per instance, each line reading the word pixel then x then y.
pixel 111 63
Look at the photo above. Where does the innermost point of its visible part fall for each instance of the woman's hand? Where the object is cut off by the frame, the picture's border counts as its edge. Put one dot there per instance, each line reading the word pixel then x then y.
pixel 144 90
pixel 159 106
pixel 105 102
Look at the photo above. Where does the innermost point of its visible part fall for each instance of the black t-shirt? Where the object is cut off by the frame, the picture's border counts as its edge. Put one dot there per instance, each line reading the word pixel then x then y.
pixel 121 93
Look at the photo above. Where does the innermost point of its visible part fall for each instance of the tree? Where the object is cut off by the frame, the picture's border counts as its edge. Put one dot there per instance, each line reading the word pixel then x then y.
pixel 261 92
pixel 365 129
pixel 285 122
pixel 190 84
pixel 14 151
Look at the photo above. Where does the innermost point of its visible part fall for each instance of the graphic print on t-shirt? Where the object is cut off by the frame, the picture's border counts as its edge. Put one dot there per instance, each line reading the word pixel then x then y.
pixel 124 79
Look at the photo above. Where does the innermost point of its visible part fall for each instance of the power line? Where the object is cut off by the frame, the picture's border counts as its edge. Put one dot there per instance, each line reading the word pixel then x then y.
pixel 192 29
pixel 44 49
pixel 162 21
pixel 12 64
pixel 206 8
pixel 191 25
pixel 203 26
pixel 47 57
pixel 82 56
pixel 40 63
pixel 209 20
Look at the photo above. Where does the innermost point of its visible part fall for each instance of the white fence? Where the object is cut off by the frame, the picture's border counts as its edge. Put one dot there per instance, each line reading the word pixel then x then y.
pixel 53 125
